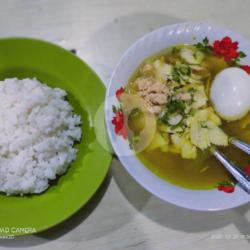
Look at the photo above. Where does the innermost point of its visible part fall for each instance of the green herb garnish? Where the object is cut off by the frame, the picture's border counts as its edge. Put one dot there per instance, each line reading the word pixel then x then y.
pixel 176 75
pixel 185 69
pixel 173 107
pixel 242 54
pixel 204 46
pixel 114 108
pixel 176 106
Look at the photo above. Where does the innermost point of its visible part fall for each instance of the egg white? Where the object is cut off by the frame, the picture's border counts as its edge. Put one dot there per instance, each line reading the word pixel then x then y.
pixel 230 93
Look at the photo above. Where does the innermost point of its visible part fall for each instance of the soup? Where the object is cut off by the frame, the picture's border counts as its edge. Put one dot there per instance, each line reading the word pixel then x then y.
pixel 171 124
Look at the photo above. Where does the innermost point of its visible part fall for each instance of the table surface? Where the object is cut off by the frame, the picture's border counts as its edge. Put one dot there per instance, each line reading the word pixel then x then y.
pixel 122 215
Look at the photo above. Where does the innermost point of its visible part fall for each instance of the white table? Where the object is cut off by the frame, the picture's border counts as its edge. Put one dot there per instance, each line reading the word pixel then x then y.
pixel 122 215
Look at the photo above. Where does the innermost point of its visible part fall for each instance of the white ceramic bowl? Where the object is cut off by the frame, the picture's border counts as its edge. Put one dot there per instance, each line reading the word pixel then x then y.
pixel 208 200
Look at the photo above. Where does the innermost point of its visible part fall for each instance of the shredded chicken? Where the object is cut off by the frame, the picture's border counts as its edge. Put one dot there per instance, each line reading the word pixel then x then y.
pixel 154 109
pixel 184 96
pixel 154 93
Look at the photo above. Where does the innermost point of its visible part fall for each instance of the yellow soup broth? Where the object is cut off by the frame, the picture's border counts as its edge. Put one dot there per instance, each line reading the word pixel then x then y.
pixel 204 172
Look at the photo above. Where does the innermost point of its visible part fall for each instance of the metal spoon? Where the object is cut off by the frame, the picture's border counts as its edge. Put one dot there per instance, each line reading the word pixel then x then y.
pixel 241 145
pixel 242 178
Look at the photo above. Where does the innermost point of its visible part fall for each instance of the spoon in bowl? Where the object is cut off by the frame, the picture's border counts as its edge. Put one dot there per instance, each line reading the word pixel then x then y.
pixel 245 147
pixel 242 178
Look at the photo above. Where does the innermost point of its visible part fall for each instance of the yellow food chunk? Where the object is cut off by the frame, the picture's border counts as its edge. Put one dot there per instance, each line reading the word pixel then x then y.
pixel 174 149
pixel 208 114
pixel 183 144
pixel 158 142
pixel 168 129
pixel 147 69
pixel 163 70
pixel 176 140
pixel 200 98
pixel 192 56
pixel 188 151
pixel 213 117
pixel 202 115
pixel 216 135
pixel 199 135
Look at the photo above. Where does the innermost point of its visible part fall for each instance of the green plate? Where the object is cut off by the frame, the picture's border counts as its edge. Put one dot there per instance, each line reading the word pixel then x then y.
pixel 24 57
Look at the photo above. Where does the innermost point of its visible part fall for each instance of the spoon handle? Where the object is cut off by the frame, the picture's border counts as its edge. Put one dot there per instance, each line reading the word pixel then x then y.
pixel 242 178
pixel 241 145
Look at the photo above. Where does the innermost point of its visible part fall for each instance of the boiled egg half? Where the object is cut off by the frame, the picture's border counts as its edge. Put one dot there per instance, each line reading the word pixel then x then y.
pixel 230 93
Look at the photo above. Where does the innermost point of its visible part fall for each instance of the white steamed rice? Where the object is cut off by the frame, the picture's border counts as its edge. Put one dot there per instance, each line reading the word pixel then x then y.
pixel 37 133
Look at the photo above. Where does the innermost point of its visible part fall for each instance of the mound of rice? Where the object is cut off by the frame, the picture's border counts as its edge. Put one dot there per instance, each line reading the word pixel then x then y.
pixel 37 133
